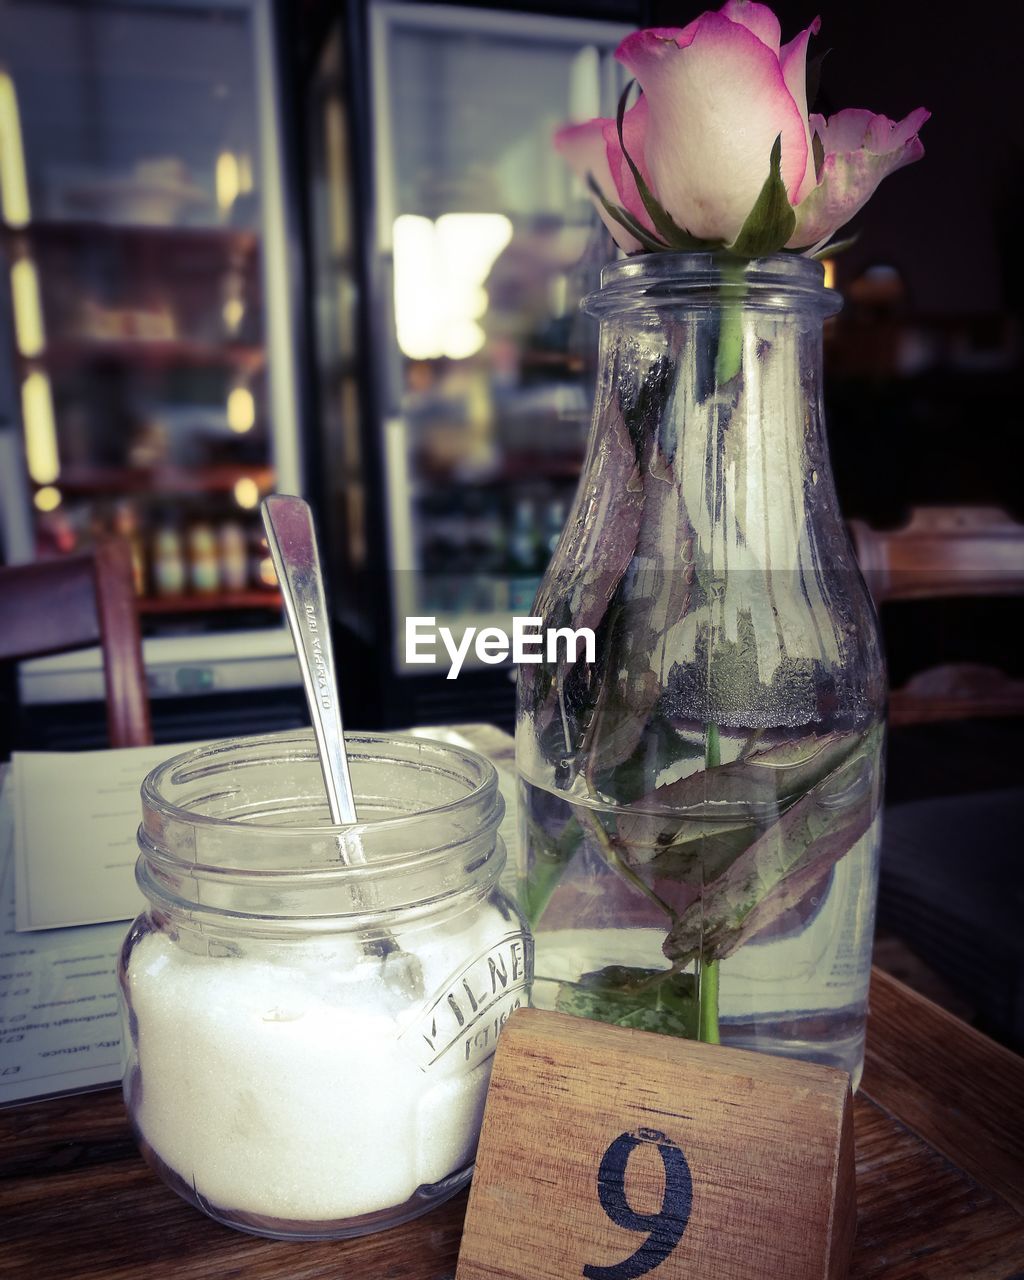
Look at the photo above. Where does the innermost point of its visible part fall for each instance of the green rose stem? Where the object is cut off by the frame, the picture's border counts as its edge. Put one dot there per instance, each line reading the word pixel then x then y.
pixel 728 364
pixel 729 356
pixel 707 978
pixel 708 1018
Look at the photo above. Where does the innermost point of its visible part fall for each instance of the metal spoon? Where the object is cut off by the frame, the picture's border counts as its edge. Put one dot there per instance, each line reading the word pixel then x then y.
pixel 292 540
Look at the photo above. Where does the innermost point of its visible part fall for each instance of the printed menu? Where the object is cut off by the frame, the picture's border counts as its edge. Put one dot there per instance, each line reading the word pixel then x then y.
pixel 60 1030
pixel 74 843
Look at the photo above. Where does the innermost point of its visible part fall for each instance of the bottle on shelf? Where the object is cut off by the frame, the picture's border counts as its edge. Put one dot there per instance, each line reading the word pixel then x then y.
pixel 126 526
pixel 234 558
pixel 203 563
pixel 168 559
pixel 261 563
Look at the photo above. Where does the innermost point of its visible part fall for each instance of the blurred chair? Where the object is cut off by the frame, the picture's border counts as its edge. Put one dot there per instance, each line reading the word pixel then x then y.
pixel 947 552
pixel 949 889
pixel 54 606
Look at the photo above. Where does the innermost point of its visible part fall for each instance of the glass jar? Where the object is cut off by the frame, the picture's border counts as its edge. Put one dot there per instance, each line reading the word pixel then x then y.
pixel 311 1010
pixel 699 807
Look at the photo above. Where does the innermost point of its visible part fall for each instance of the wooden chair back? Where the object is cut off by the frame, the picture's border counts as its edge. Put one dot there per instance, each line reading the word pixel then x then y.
pixel 55 606
pixel 947 552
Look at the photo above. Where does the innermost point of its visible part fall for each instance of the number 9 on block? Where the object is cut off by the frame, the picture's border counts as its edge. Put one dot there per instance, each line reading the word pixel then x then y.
pixel 612 1154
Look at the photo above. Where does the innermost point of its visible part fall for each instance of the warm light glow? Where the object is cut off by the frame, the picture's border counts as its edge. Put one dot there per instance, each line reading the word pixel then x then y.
pixel 268 576
pixel 40 429
pixel 440 268
pixel 28 309
pixel 830 272
pixel 226 180
pixel 233 311
pixel 247 493
pixel 241 410
pixel 14 203
pixel 48 498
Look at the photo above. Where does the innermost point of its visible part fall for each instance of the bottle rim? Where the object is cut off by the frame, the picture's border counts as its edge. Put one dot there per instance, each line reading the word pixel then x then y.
pixel 649 281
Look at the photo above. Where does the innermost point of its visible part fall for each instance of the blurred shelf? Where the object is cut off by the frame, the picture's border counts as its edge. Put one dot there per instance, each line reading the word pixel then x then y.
pixel 162 481
pixel 136 235
pixel 256 598
pixel 567 361
pixel 540 467
pixel 514 469
pixel 71 353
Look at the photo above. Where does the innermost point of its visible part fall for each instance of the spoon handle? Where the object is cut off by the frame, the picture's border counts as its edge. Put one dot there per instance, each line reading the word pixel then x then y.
pixel 289 525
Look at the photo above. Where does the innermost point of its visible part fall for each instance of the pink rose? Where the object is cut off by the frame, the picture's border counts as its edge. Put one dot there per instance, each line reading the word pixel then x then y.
pixel 717 94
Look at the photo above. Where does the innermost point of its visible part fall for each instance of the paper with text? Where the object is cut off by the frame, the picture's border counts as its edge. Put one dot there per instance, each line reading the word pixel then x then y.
pixel 60 1029
pixel 76 814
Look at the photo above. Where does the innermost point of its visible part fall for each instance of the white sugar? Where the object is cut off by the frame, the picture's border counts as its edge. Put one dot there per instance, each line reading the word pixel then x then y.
pixel 276 1082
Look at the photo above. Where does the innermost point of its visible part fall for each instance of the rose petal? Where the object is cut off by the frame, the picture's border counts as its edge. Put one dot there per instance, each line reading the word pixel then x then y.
pixel 757 18
pixel 793 60
pixel 672 35
pixel 717 100
pixel 860 150
pixel 585 149
pixel 634 132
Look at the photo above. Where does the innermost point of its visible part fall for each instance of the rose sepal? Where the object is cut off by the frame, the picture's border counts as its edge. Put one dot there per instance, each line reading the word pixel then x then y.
pixel 770 223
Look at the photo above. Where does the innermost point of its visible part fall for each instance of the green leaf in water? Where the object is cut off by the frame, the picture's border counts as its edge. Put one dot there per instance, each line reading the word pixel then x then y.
pixel 701 851
pixel 677 831
pixel 640 998
pixel 776 871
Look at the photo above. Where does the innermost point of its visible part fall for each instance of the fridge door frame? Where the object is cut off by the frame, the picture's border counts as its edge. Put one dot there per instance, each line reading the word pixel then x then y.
pixel 248 659
pixel 384 17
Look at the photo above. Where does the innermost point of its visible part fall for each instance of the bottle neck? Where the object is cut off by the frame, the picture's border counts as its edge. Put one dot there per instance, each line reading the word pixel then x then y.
pixel 707 519
pixel 709 417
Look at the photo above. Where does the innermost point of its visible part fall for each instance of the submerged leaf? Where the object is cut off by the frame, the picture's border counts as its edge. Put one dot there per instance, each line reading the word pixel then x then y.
pixel 637 998
pixel 701 851
pixel 682 837
pixel 661 746
pixel 778 869
pixel 771 776
pixel 678 825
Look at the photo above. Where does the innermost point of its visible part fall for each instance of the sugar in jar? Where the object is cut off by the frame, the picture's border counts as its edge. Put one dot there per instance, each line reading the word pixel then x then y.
pixel 311 1010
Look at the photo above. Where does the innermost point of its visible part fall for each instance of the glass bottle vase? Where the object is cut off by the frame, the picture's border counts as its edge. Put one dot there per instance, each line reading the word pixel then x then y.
pixel 699 806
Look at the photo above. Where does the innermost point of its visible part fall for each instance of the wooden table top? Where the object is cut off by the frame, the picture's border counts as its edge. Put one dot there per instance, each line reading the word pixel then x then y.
pixel 939 1124
pixel 940 1180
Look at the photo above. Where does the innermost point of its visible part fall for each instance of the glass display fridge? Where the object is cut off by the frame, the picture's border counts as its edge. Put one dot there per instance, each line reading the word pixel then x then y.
pixel 149 360
pixel 450 248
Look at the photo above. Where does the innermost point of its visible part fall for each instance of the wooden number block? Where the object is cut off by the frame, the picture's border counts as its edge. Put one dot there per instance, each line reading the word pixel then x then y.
pixel 609 1154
